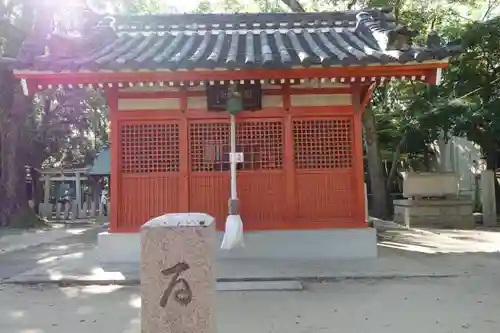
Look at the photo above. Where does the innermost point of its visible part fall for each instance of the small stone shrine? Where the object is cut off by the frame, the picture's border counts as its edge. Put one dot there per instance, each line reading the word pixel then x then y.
pixel 432 200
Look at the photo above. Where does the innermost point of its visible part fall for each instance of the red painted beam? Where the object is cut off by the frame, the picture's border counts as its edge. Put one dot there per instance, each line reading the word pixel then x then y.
pixel 265 92
pixel 302 73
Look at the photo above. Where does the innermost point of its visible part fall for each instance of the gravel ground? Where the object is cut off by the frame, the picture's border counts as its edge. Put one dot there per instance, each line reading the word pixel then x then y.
pixel 440 305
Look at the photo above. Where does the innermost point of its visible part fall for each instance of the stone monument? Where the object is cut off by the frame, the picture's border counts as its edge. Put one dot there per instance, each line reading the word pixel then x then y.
pixel 488 179
pixel 177 277
pixel 432 200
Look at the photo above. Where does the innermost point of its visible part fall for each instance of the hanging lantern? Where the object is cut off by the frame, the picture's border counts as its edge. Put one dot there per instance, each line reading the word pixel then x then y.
pixel 233 234
pixel 234 103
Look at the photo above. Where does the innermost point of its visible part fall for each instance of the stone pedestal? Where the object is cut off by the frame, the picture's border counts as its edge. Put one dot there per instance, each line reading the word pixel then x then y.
pixel 45 210
pixel 58 210
pixel 92 208
pixel 74 210
pixel 83 212
pixel 488 200
pixel 177 278
pixel 437 213
pixel 67 207
pixel 430 184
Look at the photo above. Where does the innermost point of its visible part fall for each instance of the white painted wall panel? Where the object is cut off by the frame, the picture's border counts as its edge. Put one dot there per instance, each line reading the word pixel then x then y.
pixel 321 100
pixel 148 104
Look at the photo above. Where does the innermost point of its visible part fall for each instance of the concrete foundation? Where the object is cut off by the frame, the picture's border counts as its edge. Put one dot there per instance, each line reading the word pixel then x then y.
pixel 437 213
pixel 297 244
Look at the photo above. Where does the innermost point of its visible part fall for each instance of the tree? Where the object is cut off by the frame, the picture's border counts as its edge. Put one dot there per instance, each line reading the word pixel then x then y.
pixel 54 127
pixel 124 6
pixel 471 97
pixel 69 127
pixel 17 22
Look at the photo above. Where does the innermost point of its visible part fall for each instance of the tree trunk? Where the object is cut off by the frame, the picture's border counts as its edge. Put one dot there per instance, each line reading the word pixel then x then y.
pixel 14 208
pixel 37 189
pixel 427 161
pixel 394 164
pixel 376 173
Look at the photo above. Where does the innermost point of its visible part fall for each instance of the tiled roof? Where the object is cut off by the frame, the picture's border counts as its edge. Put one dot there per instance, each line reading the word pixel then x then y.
pixel 101 165
pixel 237 41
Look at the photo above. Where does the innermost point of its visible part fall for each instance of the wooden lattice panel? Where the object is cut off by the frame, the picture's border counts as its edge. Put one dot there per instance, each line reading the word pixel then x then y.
pixel 261 143
pixel 323 143
pixel 206 140
pixel 149 148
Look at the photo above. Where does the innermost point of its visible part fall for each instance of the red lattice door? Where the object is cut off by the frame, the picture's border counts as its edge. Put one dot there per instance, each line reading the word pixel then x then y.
pixel 149 172
pixel 261 181
pixel 325 181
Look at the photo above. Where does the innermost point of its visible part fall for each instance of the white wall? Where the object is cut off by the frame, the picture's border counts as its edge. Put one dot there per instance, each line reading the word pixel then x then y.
pixel 268 101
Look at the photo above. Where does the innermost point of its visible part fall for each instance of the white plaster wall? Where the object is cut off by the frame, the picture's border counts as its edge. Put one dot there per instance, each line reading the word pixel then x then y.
pixel 148 104
pixel 321 100
pixel 268 101
pixel 197 102
pixel 194 102
pixel 272 101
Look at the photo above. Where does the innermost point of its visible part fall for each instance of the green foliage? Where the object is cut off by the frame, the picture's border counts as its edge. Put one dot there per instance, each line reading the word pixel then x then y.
pixel 405 111
pixel 71 130
pixel 130 6
pixel 399 108
pixel 65 127
pixel 16 19
pixel 235 6
pixel 470 98
pixel 467 102
pixel 204 6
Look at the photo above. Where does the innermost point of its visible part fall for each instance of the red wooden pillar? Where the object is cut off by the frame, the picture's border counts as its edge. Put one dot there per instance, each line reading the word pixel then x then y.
pixel 184 154
pixel 359 174
pixel 291 203
pixel 115 147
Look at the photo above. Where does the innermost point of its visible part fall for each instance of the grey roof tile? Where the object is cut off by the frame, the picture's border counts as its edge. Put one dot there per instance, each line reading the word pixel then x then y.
pixel 237 41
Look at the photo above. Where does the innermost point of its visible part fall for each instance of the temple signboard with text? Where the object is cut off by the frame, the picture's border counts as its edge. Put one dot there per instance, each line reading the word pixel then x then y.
pixel 218 95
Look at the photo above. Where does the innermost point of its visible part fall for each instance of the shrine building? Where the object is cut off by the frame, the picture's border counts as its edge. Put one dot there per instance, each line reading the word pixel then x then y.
pixel 304 78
